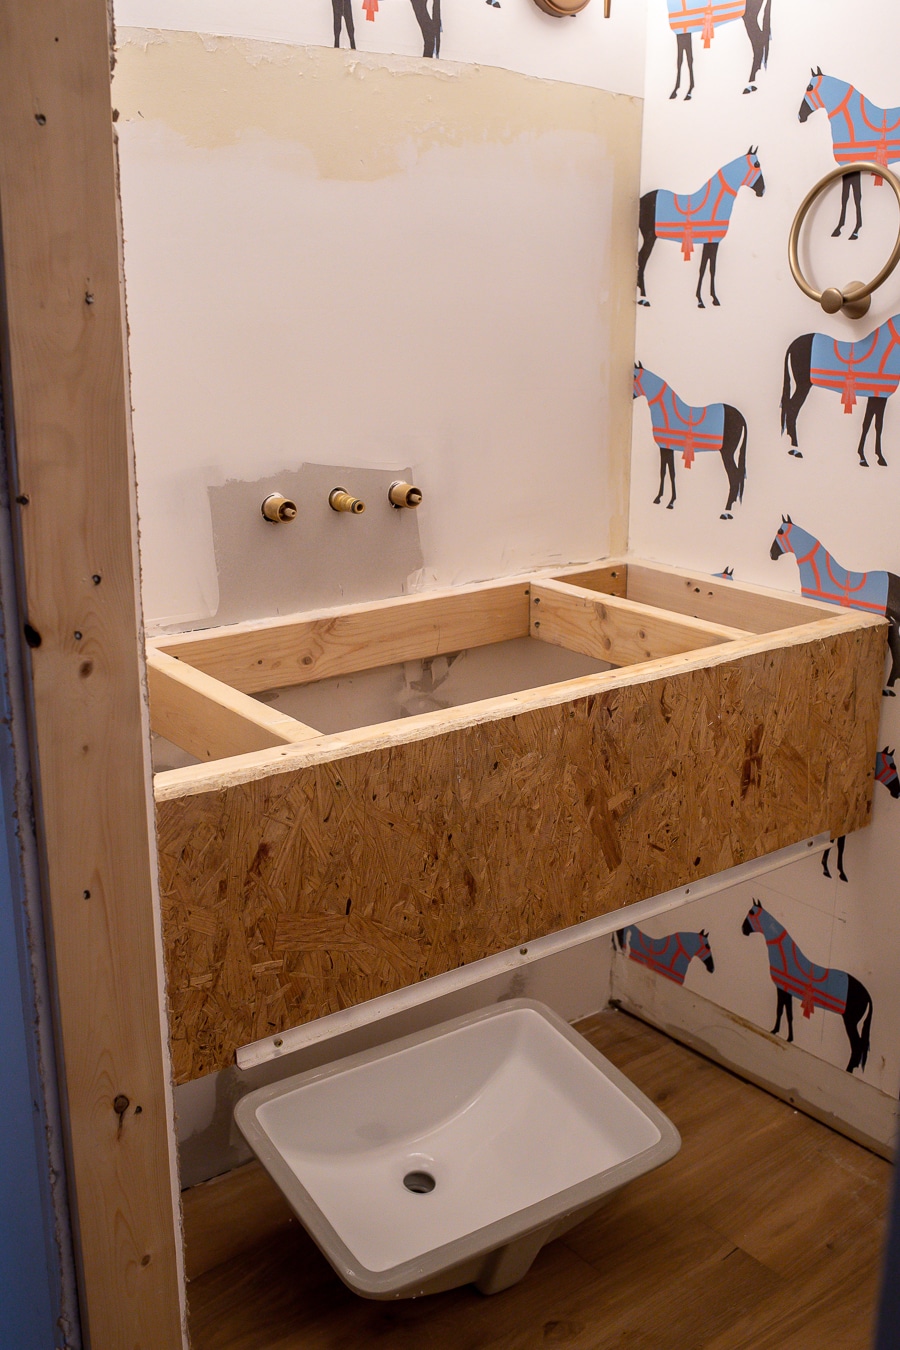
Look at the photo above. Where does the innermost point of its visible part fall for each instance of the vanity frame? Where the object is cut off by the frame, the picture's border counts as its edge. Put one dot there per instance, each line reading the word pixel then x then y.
pixel 303 873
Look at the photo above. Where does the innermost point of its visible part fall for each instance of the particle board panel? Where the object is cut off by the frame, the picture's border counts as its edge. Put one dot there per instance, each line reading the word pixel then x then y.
pixel 299 892
pixel 273 654
pixel 65 392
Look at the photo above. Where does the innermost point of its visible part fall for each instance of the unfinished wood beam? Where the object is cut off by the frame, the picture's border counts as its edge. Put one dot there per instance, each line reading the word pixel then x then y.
pixel 277 653
pixel 616 630
pixel 209 719
pixel 755 608
pixel 611 577
pixel 66 412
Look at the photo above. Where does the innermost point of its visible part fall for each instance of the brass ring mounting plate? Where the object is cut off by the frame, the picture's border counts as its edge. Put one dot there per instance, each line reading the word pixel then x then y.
pixel 562 9
pixel 854 299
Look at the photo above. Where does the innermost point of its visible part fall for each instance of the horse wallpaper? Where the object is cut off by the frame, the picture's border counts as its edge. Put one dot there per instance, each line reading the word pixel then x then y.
pixel 819 968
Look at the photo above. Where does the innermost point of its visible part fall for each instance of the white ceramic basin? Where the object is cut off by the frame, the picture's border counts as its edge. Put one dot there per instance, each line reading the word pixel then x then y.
pixel 454 1154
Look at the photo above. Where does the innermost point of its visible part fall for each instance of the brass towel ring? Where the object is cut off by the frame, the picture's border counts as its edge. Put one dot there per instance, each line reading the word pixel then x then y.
pixel 854 300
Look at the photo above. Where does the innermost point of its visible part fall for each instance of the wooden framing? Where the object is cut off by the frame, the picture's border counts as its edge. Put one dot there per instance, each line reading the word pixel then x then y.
pixel 67 423
pixel 616 630
pixel 274 654
pixel 210 719
pixel 301 878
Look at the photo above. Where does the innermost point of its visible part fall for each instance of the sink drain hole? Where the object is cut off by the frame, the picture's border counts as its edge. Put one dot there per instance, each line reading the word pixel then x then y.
pixel 420 1182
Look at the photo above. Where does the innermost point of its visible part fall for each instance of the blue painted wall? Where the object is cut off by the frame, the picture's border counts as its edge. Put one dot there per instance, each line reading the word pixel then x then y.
pixel 29 1271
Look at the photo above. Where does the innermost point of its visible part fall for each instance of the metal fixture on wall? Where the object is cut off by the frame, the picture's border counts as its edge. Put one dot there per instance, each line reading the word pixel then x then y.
pixel 278 509
pixel 402 494
pixel 566 9
pixel 339 499
pixel 854 300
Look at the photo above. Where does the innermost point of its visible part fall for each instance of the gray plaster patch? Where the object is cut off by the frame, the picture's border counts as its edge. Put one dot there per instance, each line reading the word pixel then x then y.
pixel 323 557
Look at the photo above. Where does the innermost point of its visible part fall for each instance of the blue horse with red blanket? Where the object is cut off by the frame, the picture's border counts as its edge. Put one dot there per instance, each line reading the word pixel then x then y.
pixel 679 427
pixel 700 217
pixel 886 774
pixel 869 368
pixel 668 956
pixel 822 578
pixel 795 976
pixel 703 17
pixel 859 130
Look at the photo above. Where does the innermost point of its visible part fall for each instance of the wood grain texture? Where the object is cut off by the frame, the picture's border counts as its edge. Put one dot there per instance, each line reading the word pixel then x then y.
pixel 64 357
pixel 614 629
pixel 296 893
pixel 209 719
pixel 274 653
pixel 763 1232
pixel 610 577
pixel 755 608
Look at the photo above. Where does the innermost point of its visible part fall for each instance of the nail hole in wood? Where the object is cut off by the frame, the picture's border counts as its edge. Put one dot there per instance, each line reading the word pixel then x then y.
pixel 32 636
pixel 40 119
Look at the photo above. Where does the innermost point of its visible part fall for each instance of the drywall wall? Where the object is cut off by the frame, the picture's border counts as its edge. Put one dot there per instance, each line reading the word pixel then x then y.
pixel 842 932
pixel 513 34
pixel 336 258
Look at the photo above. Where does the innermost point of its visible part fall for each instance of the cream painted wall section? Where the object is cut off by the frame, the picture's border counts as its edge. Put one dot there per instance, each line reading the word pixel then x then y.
pixel 375 261
pixel 514 34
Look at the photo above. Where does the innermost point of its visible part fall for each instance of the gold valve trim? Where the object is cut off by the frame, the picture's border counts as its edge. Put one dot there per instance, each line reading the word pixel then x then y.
pixel 854 300
pixel 278 509
pixel 339 499
pixel 402 494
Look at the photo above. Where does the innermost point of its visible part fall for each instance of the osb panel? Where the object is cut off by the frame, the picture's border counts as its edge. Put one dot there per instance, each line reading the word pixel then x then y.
pixel 312 890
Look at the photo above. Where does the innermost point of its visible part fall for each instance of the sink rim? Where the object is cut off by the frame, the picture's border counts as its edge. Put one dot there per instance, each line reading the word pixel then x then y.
pixel 481 1241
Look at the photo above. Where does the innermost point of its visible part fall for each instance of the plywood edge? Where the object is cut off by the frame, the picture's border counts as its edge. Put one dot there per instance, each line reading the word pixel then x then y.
pixel 209 719
pixel 615 629
pixel 197 779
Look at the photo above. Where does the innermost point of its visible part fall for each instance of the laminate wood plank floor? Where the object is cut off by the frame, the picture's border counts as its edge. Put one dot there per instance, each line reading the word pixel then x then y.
pixel 765 1231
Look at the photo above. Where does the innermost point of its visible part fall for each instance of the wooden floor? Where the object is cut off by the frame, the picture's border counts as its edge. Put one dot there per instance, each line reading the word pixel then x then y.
pixel 764 1232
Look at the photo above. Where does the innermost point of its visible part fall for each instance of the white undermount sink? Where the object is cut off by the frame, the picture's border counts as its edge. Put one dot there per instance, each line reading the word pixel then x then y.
pixel 454 1154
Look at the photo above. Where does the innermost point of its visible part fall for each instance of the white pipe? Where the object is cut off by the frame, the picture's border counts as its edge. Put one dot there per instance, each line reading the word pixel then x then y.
pixel 387 1005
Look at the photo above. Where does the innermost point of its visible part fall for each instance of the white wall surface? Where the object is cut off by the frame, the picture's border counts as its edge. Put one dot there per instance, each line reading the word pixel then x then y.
pixel 516 35
pixel 374 261
pixel 735 353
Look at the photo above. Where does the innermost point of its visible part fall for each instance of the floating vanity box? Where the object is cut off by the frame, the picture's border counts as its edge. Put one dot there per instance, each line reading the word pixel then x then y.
pixel 304 872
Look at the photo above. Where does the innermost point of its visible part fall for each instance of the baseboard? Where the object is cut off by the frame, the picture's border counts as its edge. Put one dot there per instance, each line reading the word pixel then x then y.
pixel 819 1089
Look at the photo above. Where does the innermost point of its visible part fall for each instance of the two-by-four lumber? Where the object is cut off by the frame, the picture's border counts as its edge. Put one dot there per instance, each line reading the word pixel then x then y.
pixel 209 719
pixel 64 357
pixel 276 653
pixel 616 630
pixel 754 608
pixel 610 577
